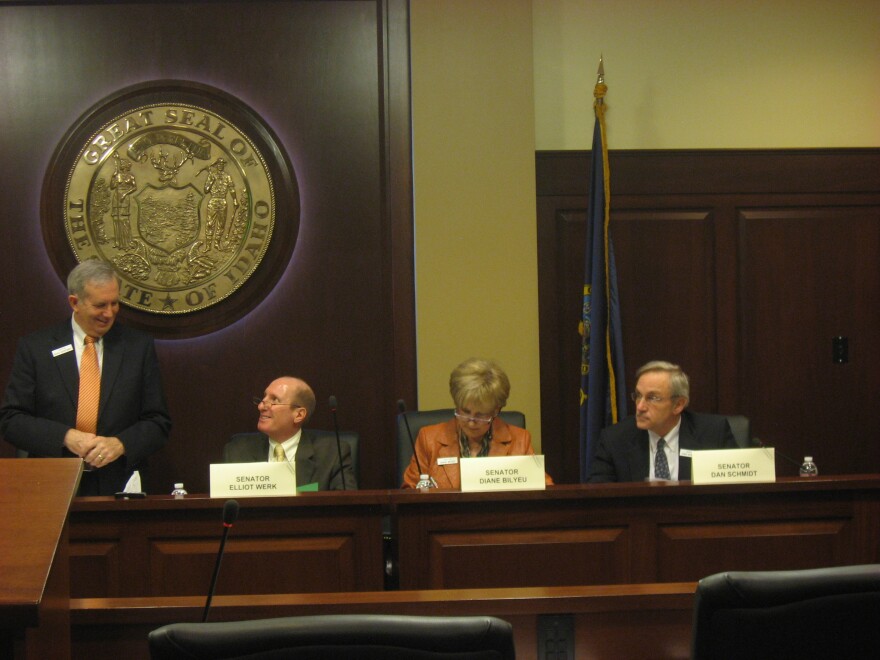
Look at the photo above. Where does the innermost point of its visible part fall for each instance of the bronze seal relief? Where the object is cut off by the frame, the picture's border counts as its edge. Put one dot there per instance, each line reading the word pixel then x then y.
pixel 183 190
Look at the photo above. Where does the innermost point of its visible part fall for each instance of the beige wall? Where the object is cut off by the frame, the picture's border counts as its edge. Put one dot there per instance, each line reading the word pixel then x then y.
pixel 494 80
pixel 709 74
pixel 474 145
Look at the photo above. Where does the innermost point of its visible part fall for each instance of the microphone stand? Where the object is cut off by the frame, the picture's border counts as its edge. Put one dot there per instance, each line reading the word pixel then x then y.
pixel 332 402
pixel 401 406
pixel 760 443
pixel 230 513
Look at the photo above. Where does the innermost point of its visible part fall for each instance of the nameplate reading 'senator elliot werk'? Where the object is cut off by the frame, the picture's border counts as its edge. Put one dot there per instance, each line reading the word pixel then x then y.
pixel 725 466
pixel 253 479
pixel 502 473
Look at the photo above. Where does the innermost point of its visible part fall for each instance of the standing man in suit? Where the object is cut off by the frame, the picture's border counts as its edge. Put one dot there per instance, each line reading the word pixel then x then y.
pixel 658 442
pixel 285 406
pixel 42 411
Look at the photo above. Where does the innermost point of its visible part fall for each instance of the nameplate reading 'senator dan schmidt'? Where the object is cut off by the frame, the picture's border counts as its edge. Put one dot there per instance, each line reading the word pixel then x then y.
pixel 726 466
pixel 253 479
pixel 502 473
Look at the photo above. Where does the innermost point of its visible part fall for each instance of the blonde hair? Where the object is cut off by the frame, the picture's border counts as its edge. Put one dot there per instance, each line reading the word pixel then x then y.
pixel 479 381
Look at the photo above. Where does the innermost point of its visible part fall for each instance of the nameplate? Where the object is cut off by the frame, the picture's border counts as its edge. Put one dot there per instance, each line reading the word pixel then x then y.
pixel 253 479
pixel 730 466
pixel 502 473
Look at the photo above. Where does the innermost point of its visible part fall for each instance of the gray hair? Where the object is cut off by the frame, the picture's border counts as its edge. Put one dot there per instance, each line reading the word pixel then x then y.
pixel 90 270
pixel 678 379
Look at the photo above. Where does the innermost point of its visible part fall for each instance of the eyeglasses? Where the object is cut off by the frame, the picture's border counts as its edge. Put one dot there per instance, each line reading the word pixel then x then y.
pixel 650 399
pixel 259 401
pixel 476 420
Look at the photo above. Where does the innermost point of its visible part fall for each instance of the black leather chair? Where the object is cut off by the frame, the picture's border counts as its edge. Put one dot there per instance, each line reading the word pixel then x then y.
pixel 419 418
pixel 351 439
pixel 739 424
pixel 338 637
pixel 816 613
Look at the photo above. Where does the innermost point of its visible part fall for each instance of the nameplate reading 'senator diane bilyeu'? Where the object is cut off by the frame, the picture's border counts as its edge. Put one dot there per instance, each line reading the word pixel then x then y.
pixel 502 473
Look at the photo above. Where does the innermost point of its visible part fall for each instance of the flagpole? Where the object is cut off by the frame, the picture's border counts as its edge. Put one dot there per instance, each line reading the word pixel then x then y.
pixel 601 346
pixel 599 94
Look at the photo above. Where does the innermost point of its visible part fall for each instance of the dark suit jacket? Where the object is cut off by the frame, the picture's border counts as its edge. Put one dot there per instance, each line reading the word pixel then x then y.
pixel 41 399
pixel 623 452
pixel 317 457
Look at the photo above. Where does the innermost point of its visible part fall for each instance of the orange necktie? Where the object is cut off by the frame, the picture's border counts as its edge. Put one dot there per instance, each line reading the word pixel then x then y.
pixel 89 389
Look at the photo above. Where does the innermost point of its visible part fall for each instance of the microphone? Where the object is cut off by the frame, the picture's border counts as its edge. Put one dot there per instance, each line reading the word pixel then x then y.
pixel 401 406
pixel 332 402
pixel 230 515
pixel 760 443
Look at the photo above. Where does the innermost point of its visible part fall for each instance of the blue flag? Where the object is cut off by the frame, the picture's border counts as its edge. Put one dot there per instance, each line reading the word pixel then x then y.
pixel 603 385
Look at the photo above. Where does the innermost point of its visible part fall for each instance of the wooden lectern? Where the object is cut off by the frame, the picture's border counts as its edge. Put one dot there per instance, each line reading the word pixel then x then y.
pixel 35 497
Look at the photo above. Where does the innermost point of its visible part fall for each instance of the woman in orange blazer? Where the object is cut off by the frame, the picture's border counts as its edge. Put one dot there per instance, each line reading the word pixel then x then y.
pixel 479 390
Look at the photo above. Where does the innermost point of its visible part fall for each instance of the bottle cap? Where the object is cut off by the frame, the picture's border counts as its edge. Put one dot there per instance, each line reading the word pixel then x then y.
pixel 808 459
pixel 424 477
pixel 178 485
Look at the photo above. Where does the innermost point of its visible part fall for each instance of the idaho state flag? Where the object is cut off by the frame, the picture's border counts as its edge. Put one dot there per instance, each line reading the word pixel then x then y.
pixel 602 395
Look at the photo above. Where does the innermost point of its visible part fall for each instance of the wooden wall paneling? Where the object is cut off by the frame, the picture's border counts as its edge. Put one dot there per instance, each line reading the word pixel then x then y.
pixel 727 369
pixel 666 275
pixel 632 533
pixel 469 559
pixel 397 189
pixel 163 547
pixel 568 534
pixel 727 319
pixel 96 568
pixel 331 80
pixel 561 237
pixel 808 274
pixel 183 567
pixel 708 549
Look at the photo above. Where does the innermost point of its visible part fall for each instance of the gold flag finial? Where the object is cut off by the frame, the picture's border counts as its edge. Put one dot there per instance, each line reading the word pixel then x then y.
pixel 601 88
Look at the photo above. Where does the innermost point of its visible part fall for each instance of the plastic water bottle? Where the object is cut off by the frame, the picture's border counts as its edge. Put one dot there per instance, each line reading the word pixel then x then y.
pixel 178 493
pixel 808 468
pixel 425 482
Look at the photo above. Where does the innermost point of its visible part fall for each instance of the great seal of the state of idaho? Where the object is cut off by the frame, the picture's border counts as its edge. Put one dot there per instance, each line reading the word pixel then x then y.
pixel 178 199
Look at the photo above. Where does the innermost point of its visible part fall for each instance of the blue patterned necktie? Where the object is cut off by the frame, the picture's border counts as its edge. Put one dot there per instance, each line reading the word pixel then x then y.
pixel 661 465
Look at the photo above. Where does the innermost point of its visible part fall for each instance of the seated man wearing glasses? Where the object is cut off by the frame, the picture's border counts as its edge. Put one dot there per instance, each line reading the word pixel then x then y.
pixel 479 390
pixel 285 406
pixel 658 442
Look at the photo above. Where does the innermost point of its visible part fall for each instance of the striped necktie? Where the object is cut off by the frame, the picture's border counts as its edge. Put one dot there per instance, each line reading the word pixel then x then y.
pixel 89 389
pixel 661 465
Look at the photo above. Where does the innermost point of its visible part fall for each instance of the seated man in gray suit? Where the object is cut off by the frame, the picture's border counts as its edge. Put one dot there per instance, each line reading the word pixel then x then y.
pixel 658 442
pixel 286 405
